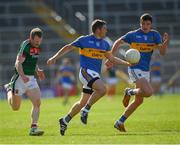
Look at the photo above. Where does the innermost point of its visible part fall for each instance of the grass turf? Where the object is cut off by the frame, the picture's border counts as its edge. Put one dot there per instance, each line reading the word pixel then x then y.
pixel 157 121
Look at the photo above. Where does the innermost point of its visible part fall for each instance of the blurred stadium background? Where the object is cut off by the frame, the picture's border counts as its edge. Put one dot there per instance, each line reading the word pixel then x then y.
pixel 64 20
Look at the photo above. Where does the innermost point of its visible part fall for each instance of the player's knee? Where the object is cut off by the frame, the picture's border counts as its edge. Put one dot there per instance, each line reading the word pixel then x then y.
pixel 37 103
pixel 148 93
pixel 102 90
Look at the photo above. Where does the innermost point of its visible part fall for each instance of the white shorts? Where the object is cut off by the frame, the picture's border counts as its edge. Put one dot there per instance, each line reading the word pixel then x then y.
pixel 135 74
pixel 87 78
pixel 156 79
pixel 112 81
pixel 67 86
pixel 19 87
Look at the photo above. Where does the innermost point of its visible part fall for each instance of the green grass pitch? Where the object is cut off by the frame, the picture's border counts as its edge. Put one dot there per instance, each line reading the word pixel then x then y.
pixel 157 121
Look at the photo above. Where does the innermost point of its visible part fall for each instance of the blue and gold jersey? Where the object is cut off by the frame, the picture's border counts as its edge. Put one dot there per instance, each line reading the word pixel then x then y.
pixel 91 51
pixel 145 43
pixel 156 69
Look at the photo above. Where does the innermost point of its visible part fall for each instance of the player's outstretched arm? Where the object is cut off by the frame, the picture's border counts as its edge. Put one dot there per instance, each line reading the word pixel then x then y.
pixel 164 45
pixel 116 60
pixel 60 53
pixel 117 45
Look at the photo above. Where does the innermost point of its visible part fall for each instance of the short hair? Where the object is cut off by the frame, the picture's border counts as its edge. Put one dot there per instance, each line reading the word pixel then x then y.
pixel 36 32
pixel 97 24
pixel 146 17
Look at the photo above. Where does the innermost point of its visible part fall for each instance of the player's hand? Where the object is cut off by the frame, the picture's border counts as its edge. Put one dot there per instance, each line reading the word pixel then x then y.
pixel 40 74
pixel 109 64
pixel 51 61
pixel 132 64
pixel 129 64
pixel 25 79
pixel 165 37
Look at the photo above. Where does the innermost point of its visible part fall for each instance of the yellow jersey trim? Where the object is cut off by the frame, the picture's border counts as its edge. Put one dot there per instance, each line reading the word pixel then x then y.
pixel 144 47
pixel 93 53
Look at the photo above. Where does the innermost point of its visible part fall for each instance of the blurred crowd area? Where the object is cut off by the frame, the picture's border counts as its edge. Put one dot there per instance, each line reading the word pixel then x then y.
pixel 62 21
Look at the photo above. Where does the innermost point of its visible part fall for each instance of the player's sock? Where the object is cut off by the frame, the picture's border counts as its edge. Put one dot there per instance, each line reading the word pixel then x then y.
pixel 130 92
pixel 87 107
pixel 67 119
pixel 8 87
pixel 33 125
pixel 122 119
pixel 84 113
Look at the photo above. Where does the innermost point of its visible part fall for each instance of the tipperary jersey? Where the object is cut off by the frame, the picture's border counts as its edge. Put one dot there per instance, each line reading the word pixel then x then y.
pixel 91 51
pixel 31 55
pixel 156 69
pixel 145 43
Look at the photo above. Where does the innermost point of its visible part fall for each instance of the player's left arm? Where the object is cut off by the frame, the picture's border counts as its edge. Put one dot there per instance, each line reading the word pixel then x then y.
pixel 40 73
pixel 62 51
pixel 163 46
pixel 116 60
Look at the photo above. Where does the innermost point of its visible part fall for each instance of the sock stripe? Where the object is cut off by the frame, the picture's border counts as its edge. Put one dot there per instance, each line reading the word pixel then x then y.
pixel 64 120
pixel 122 119
pixel 85 110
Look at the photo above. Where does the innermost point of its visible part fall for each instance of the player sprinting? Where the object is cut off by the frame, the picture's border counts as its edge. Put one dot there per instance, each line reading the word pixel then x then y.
pixel 92 48
pixel 146 40
pixel 24 82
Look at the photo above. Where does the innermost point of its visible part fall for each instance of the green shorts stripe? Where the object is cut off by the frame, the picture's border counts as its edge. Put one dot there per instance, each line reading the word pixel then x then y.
pixel 13 81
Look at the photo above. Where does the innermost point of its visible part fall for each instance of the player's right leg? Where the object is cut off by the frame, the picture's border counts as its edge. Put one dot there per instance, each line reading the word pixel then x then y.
pixel 99 91
pixel 119 124
pixel 143 87
pixel 14 101
pixel 13 93
pixel 63 122
pixel 91 79
pixel 34 95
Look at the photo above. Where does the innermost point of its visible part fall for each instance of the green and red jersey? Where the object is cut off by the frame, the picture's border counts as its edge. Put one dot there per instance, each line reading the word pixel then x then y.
pixel 31 55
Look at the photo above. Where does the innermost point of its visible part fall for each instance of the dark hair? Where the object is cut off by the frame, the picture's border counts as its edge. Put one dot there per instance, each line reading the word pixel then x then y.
pixel 36 32
pixel 146 17
pixel 97 24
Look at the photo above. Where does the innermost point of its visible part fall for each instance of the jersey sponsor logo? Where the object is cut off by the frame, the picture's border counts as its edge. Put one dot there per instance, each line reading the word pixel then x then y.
pixel 144 47
pixel 34 51
pixel 92 53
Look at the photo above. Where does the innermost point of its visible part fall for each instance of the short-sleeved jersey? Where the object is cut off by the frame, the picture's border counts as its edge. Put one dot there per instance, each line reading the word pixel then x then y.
pixel 92 51
pixel 156 69
pixel 145 43
pixel 66 74
pixel 31 55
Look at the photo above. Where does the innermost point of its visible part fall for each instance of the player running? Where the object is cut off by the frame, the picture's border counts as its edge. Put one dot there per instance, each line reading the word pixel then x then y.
pixel 145 40
pixel 24 82
pixel 93 48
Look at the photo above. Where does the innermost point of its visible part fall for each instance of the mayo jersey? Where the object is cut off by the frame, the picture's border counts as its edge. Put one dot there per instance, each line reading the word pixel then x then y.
pixel 91 50
pixel 31 55
pixel 145 43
